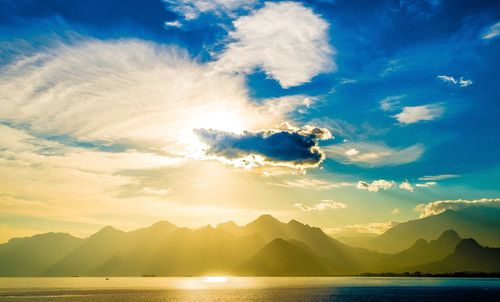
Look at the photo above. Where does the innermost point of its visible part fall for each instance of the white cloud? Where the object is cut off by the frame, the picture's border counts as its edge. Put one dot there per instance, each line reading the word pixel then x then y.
pixel 348 81
pixel 405 185
pixel 156 191
pixel 286 40
pixel 175 23
pixel 395 211
pixel 352 152
pixel 191 9
pixel 390 103
pixel 376 185
pixel 310 183
pixel 356 229
pixel 373 154
pixel 321 206
pixel 492 32
pixel 438 177
pixel 130 91
pixel 437 207
pixel 415 114
pixel 427 184
pixel 462 82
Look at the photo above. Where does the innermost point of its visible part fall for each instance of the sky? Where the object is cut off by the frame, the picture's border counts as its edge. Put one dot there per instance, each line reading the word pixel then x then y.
pixel 347 115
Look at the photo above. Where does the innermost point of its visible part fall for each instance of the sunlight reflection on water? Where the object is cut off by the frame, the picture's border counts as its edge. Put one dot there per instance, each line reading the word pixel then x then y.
pixel 226 288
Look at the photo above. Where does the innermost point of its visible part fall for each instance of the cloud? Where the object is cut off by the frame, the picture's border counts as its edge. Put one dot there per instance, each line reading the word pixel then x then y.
pixel 345 81
pixel 390 103
pixel 321 206
pixel 405 185
pixel 437 207
pixel 356 229
pixel 492 32
pixel 462 82
pixel 427 184
pixel 286 40
pixel 192 9
pixel 130 91
pixel 411 115
pixel 293 147
pixel 373 154
pixel 352 152
pixel 376 185
pixel 313 184
pixel 438 177
pixel 395 211
pixel 175 23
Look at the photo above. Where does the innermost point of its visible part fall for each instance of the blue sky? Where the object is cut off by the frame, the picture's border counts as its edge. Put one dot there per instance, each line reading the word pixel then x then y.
pixel 340 113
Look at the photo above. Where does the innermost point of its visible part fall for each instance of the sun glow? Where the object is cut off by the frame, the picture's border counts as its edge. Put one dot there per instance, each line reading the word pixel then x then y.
pixel 215 279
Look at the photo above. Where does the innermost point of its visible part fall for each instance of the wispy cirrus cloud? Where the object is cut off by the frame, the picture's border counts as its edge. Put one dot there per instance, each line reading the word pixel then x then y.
pixel 312 184
pixel 427 184
pixel 286 40
pixel 439 206
pixel 321 206
pixel 390 103
pixel 373 154
pixel 415 114
pixel 95 101
pixel 491 32
pixel 438 177
pixel 461 81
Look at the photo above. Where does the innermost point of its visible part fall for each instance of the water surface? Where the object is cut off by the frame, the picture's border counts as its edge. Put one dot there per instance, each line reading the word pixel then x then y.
pixel 248 289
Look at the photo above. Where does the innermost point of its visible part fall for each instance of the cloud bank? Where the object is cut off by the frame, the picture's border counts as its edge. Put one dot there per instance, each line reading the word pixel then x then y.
pixel 437 207
pixel 130 92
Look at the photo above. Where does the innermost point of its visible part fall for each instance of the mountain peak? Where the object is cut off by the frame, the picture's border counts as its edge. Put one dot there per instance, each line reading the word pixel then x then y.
pixel 107 230
pixel 163 224
pixel 266 219
pixel 421 243
pixel 227 225
pixel 449 235
pixel 293 221
pixel 468 246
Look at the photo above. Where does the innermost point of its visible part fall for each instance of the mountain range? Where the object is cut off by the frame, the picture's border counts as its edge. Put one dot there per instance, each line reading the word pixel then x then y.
pixel 264 247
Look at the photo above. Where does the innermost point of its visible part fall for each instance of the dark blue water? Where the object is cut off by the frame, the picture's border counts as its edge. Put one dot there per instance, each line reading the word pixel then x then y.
pixel 247 289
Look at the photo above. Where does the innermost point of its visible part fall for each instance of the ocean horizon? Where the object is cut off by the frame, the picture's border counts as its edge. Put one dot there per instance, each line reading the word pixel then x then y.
pixel 227 288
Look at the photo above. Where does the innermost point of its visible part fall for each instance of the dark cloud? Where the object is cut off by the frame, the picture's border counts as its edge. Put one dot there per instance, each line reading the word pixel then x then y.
pixel 289 147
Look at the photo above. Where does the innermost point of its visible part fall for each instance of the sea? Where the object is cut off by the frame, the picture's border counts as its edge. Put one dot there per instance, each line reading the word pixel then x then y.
pixel 232 289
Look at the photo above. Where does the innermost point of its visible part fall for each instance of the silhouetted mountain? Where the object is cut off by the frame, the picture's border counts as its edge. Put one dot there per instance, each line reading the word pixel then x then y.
pixel 102 253
pixel 287 258
pixel 201 251
pixel 346 259
pixel 468 256
pixel 421 252
pixel 32 256
pixel 266 246
pixel 478 222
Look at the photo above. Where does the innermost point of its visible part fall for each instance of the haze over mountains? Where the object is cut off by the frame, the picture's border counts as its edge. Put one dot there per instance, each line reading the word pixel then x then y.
pixel 264 247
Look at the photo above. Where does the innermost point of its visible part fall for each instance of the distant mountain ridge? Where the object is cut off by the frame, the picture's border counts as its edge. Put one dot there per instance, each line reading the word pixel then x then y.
pixel 264 247
pixel 479 222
